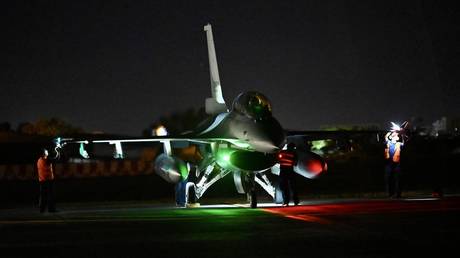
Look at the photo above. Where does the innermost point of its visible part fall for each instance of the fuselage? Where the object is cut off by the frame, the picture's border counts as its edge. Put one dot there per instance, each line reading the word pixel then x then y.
pixel 248 130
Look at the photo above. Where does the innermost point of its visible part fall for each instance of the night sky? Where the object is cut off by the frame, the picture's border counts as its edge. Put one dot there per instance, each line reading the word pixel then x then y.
pixel 118 66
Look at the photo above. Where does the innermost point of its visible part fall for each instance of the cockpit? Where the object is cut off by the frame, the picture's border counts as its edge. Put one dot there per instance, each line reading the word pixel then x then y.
pixel 252 104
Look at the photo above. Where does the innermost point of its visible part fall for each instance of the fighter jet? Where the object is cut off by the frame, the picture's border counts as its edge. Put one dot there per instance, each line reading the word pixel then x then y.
pixel 242 140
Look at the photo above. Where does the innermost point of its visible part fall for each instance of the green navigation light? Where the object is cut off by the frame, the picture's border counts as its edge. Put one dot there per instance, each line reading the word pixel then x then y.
pixel 223 157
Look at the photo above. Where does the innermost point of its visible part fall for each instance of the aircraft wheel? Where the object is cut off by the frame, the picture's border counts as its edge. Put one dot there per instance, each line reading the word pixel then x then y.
pixel 191 195
pixel 191 200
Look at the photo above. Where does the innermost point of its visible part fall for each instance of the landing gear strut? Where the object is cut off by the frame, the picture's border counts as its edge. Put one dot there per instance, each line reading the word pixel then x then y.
pixel 252 194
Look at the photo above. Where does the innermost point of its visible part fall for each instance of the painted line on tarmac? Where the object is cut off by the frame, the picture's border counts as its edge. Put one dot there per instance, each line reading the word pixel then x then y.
pixel 307 218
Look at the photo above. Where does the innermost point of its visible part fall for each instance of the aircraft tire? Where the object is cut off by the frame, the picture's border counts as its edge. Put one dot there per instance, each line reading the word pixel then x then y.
pixel 191 195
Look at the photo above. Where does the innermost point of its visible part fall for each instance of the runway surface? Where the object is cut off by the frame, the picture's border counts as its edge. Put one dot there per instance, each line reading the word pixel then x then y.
pixel 319 228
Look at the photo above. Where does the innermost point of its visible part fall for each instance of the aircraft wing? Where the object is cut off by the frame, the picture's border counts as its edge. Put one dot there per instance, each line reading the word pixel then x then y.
pixel 333 135
pixel 165 140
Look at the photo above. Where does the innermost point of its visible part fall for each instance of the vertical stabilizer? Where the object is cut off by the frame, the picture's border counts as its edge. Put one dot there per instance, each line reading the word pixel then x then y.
pixel 216 104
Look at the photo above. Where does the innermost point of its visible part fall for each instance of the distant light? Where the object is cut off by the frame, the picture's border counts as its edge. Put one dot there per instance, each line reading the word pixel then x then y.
pixel 318 144
pixel 161 131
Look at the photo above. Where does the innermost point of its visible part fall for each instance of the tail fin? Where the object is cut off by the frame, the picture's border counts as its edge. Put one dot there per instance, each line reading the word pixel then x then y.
pixel 216 104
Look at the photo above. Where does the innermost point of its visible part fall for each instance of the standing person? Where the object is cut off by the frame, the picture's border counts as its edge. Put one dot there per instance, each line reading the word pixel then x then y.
pixel 46 180
pixel 287 159
pixel 180 189
pixel 393 166
pixel 181 186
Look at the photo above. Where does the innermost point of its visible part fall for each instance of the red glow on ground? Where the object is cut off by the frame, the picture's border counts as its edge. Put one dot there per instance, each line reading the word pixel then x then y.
pixel 318 213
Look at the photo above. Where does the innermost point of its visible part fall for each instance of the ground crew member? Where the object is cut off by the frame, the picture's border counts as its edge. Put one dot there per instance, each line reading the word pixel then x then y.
pixel 287 159
pixel 46 180
pixel 393 166
pixel 180 189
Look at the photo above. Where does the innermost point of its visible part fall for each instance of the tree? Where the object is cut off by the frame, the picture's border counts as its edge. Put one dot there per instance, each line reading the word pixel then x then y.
pixel 49 127
pixel 26 128
pixel 5 127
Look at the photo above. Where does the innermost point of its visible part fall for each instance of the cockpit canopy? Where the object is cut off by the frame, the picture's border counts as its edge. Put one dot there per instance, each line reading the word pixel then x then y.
pixel 252 104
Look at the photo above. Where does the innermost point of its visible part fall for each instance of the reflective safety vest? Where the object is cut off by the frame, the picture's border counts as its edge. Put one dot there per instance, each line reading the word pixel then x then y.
pixel 394 154
pixel 45 170
pixel 286 158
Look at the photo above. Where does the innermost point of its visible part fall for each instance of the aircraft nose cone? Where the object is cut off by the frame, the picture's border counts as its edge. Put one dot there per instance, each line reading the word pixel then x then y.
pixel 272 139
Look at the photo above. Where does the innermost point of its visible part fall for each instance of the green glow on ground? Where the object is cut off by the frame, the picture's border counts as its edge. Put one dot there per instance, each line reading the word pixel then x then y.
pixel 178 214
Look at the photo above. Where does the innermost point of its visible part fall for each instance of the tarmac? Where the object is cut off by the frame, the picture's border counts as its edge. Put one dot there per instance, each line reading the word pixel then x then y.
pixel 321 227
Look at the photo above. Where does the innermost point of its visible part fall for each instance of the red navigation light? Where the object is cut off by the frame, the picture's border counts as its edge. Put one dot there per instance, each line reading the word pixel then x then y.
pixel 315 166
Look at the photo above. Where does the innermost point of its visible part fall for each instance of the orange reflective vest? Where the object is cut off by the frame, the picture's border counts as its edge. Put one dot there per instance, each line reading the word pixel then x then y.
pixel 397 153
pixel 45 170
pixel 286 158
